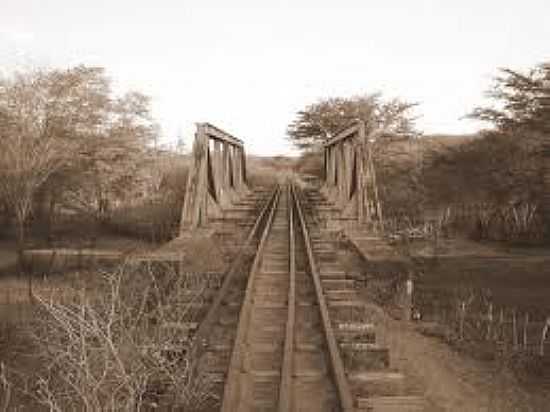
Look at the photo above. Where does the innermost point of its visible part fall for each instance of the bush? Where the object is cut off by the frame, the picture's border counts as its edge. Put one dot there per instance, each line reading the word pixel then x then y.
pixel 155 219
pixel 311 163
pixel 122 346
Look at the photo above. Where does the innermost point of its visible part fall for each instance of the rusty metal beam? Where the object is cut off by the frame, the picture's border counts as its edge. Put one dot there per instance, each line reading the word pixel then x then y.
pixel 345 134
pixel 214 132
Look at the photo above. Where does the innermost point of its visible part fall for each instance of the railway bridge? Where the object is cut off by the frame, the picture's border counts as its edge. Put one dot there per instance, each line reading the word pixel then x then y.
pixel 288 329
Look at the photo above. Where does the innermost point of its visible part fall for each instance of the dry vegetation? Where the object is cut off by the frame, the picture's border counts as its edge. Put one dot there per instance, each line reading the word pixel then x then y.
pixel 112 339
pixel 265 171
pixel 115 342
pixel 81 171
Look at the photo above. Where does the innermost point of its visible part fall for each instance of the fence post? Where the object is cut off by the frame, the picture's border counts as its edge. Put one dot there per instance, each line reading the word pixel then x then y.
pixel 525 324
pixel 543 337
pixel 501 326
pixel 490 321
pixel 462 314
pixel 514 330
pixel 409 289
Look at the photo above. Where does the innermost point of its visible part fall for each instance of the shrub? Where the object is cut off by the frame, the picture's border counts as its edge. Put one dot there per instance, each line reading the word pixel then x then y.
pixel 122 346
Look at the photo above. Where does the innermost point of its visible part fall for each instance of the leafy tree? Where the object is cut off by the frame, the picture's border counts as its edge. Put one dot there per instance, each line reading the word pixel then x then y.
pixel 64 136
pixel 521 111
pixel 77 105
pixel 30 153
pixel 327 117
pixel 393 158
pixel 111 160
pixel 522 101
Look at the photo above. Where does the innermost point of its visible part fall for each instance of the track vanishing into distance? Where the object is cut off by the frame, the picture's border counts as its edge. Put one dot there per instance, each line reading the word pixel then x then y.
pixel 291 334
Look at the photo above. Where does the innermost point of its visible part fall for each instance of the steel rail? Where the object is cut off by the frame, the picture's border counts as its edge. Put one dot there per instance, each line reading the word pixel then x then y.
pixel 285 389
pixel 233 391
pixel 336 363
pixel 206 324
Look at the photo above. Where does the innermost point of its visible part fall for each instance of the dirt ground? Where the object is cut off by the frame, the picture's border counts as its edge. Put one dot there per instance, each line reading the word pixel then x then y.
pixel 452 380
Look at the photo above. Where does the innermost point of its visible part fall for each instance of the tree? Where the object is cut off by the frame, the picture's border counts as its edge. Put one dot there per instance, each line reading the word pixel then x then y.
pixel 521 111
pixel 63 135
pixel 390 157
pixel 76 106
pixel 327 117
pixel 522 101
pixel 111 161
pixel 30 152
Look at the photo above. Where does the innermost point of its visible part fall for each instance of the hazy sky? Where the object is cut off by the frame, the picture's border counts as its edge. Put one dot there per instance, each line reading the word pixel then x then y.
pixel 248 66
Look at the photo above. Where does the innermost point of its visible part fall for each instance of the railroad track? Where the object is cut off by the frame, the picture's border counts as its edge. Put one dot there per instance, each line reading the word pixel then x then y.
pixel 293 334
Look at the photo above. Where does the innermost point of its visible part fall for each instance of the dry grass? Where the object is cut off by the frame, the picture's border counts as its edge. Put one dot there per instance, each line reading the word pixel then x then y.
pixel 115 342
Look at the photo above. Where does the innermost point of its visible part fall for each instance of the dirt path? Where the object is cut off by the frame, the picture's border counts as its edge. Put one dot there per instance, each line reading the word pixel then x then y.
pixel 453 381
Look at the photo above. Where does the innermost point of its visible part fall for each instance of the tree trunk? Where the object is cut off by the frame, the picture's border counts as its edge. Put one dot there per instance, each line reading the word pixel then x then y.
pixel 50 218
pixel 4 216
pixel 20 238
pixel 21 264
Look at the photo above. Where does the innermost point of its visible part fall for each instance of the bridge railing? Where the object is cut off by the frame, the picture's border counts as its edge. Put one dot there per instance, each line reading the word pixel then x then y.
pixel 350 177
pixel 217 176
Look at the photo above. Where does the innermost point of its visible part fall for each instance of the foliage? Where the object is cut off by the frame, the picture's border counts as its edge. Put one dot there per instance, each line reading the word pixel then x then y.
pixel 521 117
pixel 327 117
pixel 155 219
pixel 155 212
pixel 68 139
pixel 494 167
pixel 111 156
pixel 31 150
pixel 311 163
pixel 401 188
pixel 522 101
pixel 123 345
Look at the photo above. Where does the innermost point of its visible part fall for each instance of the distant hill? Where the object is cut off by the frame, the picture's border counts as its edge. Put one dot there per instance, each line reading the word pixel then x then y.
pixel 455 137
pixel 448 140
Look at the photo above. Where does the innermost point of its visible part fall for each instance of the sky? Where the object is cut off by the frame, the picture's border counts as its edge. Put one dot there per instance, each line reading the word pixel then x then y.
pixel 248 66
